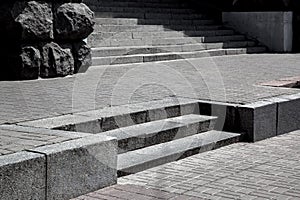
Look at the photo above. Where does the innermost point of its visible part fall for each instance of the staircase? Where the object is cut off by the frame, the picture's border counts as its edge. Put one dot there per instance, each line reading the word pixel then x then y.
pixel 137 31
pixel 150 133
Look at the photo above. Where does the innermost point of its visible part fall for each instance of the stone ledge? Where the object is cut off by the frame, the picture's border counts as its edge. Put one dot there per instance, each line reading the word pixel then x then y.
pixel 270 117
pixel 80 166
pixel 22 176
pixel 59 171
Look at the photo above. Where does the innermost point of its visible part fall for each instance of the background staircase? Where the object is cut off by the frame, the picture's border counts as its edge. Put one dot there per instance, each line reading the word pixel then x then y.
pixel 136 31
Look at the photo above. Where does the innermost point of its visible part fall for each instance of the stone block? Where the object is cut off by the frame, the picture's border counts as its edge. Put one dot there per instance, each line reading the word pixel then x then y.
pixel 258 120
pixel 22 176
pixel 80 166
pixel 82 57
pixel 289 114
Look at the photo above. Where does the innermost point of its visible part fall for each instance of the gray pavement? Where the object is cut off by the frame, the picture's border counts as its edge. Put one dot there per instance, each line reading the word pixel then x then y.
pixel 269 169
pixel 225 79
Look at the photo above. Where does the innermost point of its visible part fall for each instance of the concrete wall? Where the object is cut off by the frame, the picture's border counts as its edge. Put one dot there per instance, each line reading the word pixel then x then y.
pixel 272 29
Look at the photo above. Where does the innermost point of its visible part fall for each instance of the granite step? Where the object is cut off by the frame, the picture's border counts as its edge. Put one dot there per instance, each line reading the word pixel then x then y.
pixel 137 5
pixel 145 28
pixel 140 58
pixel 144 10
pixel 166 22
pixel 145 158
pixel 143 15
pixel 161 34
pixel 132 50
pixel 96 41
pixel 151 133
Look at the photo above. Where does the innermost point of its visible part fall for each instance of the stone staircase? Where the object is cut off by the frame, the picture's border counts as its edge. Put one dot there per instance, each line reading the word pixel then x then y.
pixel 137 31
pixel 151 133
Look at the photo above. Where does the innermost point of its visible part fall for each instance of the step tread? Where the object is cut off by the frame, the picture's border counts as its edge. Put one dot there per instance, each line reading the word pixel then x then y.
pixel 148 46
pixel 172 150
pixel 140 130
pixel 171 53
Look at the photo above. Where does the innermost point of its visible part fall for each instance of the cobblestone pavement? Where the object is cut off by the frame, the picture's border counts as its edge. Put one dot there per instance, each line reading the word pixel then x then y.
pixel 225 79
pixel 268 169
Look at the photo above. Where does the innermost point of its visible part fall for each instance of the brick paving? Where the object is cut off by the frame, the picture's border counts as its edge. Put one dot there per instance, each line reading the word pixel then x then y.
pixel 268 169
pixel 15 141
pixel 226 79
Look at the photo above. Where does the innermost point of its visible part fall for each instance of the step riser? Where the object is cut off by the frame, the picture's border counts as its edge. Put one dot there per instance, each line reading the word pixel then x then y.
pixel 143 10
pixel 154 35
pixel 137 5
pixel 164 49
pixel 130 144
pixel 118 121
pixel 99 42
pixel 176 156
pixel 150 16
pixel 145 28
pixel 120 21
pixel 141 59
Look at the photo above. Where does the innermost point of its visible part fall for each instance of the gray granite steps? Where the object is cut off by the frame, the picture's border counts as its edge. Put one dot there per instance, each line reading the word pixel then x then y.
pixel 95 41
pixel 131 50
pixel 153 28
pixel 145 158
pixel 140 34
pixel 144 10
pixel 143 135
pixel 141 58
pixel 136 21
pixel 142 15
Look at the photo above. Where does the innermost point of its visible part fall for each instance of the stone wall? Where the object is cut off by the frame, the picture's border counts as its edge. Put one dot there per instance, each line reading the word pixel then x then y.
pixel 44 38
pixel 272 29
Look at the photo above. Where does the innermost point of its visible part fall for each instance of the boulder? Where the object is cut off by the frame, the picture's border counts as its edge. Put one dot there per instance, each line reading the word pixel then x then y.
pixel 82 57
pixel 73 21
pixel 57 61
pixel 30 63
pixel 34 19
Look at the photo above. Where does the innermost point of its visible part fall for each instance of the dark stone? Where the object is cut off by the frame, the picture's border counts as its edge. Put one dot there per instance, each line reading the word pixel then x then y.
pixel 57 61
pixel 73 21
pixel 30 63
pixel 82 57
pixel 34 20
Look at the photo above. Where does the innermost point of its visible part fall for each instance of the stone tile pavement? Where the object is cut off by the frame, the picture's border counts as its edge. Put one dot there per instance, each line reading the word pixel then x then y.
pixel 269 169
pixel 225 79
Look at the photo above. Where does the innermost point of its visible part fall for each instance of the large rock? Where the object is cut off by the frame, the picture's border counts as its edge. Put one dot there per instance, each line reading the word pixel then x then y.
pixel 82 56
pixel 34 18
pixel 73 21
pixel 30 63
pixel 56 60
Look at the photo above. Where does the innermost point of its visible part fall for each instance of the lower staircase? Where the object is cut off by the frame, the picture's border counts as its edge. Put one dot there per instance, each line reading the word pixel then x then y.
pixel 137 31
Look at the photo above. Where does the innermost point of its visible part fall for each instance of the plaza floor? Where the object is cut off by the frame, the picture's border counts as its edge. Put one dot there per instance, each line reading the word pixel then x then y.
pixel 269 169
pixel 233 79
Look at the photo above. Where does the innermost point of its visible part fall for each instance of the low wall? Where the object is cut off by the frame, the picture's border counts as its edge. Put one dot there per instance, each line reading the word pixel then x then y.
pixel 272 29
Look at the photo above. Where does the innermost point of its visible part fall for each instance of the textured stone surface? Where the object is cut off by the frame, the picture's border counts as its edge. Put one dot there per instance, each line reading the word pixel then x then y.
pixel 30 63
pixel 22 176
pixel 82 57
pixel 80 166
pixel 56 60
pixel 289 114
pixel 35 19
pixel 73 21
pixel 258 120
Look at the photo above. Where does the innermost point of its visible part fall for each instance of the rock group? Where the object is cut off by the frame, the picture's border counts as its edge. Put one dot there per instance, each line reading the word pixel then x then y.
pixel 44 38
